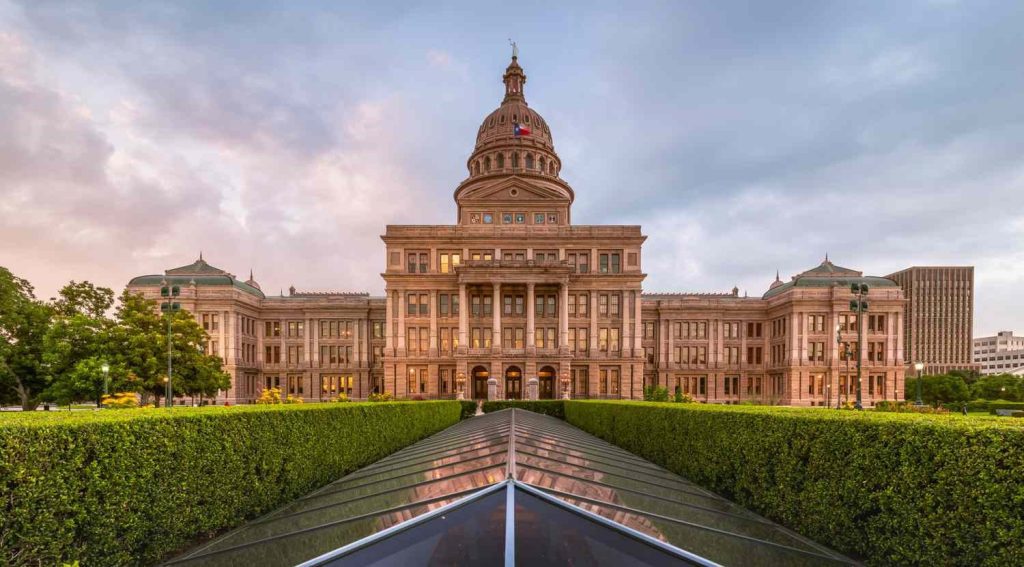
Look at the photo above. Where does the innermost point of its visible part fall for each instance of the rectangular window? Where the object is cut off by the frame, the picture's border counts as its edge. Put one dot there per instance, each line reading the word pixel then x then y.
pixel 442 304
pixel 412 303
pixel 648 329
pixel 602 304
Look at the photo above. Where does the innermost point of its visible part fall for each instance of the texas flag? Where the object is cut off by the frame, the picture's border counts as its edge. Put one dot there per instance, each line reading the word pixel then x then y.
pixel 520 130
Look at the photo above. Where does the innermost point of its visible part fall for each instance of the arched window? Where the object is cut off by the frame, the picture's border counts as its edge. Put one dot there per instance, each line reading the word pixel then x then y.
pixel 540 164
pixel 551 168
pixel 500 161
pixel 487 163
pixel 501 119
pixel 476 167
pixel 515 159
pixel 529 161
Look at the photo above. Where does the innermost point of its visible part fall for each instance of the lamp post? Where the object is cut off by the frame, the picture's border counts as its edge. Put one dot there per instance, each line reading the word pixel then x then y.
pixel 843 349
pixel 565 384
pixel 919 366
pixel 860 307
pixel 106 378
pixel 460 385
pixel 169 307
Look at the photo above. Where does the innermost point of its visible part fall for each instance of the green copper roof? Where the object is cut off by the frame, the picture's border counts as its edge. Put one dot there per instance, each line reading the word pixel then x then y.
pixel 186 280
pixel 197 268
pixel 202 274
pixel 828 274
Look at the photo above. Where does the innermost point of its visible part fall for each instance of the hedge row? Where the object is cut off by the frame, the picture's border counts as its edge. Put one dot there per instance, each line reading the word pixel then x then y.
pixel 131 486
pixel 554 408
pixel 891 488
pixel 985 405
pixel 468 409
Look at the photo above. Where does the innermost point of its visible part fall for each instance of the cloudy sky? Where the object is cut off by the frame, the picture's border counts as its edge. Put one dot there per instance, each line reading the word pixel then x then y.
pixel 744 136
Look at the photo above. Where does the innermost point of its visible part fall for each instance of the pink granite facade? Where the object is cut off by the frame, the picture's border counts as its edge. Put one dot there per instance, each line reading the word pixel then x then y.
pixel 515 301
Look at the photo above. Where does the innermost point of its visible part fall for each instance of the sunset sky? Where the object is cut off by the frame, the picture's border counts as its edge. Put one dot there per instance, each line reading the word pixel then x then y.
pixel 744 137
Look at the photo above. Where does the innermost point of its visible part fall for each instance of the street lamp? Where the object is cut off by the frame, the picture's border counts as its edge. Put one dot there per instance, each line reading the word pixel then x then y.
pixel 106 378
pixel 859 306
pixel 919 366
pixel 169 307
pixel 460 385
pixel 565 384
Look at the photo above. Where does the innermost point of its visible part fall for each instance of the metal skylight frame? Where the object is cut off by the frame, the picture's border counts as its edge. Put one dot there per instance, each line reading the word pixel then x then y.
pixel 524 435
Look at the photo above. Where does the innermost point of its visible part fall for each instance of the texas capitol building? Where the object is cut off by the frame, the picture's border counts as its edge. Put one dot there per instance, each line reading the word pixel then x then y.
pixel 515 301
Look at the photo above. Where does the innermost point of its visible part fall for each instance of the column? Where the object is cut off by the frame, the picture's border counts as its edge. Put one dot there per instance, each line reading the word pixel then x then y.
pixel 626 342
pixel 463 320
pixel 223 336
pixel 389 321
pixel 315 334
pixel 496 317
pixel 592 346
pixel 563 317
pixel 309 344
pixel 433 323
pixel 530 321
pixel 357 343
pixel 400 346
pixel 638 325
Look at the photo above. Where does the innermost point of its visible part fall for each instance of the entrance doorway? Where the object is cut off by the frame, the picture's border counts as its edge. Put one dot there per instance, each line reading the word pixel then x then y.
pixel 513 383
pixel 546 383
pixel 480 376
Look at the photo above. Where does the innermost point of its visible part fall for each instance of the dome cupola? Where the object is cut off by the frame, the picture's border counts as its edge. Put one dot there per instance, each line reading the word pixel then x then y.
pixel 514 166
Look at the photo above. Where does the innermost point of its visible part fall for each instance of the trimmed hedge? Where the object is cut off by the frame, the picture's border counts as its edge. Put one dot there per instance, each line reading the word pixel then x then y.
pixel 124 487
pixel 891 488
pixel 554 408
pixel 468 409
pixel 985 405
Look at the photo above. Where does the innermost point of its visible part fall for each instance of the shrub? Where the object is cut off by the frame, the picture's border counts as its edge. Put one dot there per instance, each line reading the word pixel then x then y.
pixel 129 487
pixel 468 409
pixel 122 400
pixel 892 488
pixel 908 407
pixel 342 397
pixel 269 396
pixel 554 408
pixel 655 394
pixel 385 397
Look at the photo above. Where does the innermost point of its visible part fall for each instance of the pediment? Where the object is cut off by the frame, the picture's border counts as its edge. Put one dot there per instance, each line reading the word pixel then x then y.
pixel 513 189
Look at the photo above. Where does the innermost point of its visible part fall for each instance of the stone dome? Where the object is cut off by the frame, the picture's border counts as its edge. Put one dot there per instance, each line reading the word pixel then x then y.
pixel 499 146
pixel 499 125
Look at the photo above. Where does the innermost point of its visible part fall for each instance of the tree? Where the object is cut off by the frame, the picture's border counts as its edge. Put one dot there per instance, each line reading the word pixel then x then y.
pixel 999 387
pixel 140 339
pixel 87 381
pixel 24 321
pixel 938 389
pixel 78 343
pixel 83 299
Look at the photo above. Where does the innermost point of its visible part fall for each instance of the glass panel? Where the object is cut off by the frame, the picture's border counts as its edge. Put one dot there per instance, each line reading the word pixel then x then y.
pixel 549 535
pixel 473 534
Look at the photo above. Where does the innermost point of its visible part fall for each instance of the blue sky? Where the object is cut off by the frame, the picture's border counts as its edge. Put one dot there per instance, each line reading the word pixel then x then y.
pixel 744 136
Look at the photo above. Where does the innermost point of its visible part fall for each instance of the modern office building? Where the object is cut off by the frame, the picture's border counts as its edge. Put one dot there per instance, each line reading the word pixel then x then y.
pixel 1001 354
pixel 514 300
pixel 939 318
